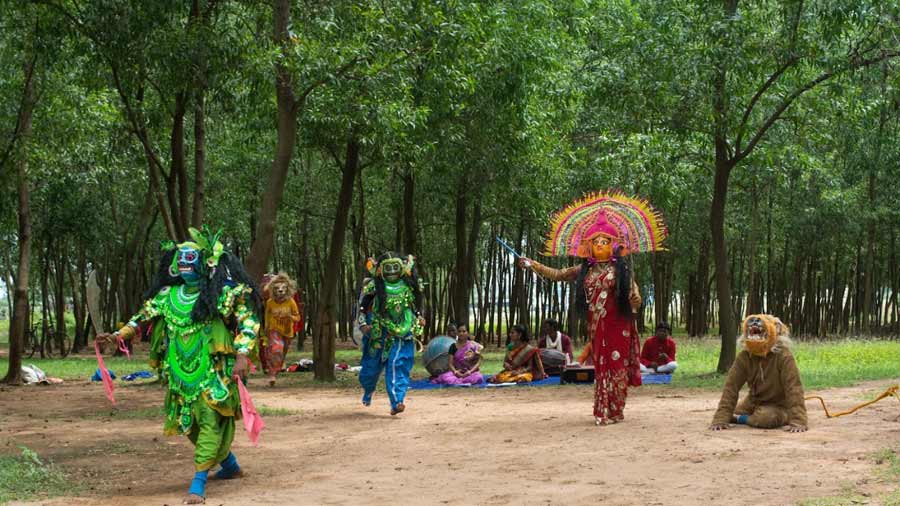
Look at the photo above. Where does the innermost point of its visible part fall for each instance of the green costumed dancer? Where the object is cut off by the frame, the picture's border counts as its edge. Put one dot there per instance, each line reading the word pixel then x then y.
pixel 390 324
pixel 204 309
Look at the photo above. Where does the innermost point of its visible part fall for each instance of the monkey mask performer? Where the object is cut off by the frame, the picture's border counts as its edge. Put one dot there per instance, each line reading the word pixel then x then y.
pixel 390 325
pixel 601 229
pixel 767 365
pixel 200 291
pixel 281 315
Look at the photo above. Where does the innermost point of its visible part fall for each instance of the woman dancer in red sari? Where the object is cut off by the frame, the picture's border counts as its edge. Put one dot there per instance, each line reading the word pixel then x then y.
pixel 606 292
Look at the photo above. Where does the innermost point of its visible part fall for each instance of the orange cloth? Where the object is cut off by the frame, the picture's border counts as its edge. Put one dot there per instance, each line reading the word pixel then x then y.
pixel 587 355
pixel 280 316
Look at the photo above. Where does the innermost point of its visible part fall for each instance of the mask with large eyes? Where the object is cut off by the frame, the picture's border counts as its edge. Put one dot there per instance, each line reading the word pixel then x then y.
pixel 187 264
pixel 602 248
pixel 392 269
pixel 599 241
pixel 280 291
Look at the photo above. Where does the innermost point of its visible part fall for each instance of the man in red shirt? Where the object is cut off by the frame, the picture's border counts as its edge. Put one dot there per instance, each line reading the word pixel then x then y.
pixel 658 353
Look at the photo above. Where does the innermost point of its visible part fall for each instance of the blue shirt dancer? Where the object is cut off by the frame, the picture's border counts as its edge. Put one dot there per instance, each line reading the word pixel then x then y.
pixel 390 325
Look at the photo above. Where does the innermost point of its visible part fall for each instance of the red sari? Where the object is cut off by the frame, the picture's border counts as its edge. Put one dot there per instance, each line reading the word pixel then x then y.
pixel 615 343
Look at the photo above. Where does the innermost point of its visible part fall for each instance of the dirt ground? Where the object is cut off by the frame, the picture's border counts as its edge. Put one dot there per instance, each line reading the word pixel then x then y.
pixel 457 447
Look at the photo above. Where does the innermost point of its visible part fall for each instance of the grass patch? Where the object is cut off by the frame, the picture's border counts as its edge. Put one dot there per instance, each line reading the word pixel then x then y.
pixel 892 499
pixel 267 411
pixel 847 497
pixel 150 413
pixel 888 470
pixel 822 364
pixel 890 461
pixel 842 500
pixel 26 477
pixel 159 412
pixel 82 367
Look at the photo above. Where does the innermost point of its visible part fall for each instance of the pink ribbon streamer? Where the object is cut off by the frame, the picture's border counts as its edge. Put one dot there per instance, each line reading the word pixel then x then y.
pixel 104 374
pixel 253 423
pixel 123 347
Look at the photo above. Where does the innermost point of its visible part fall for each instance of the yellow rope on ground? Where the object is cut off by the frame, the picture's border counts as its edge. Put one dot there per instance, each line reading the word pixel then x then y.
pixel 887 393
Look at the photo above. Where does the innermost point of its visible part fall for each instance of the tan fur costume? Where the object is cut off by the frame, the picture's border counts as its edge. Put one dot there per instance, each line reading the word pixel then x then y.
pixel 775 396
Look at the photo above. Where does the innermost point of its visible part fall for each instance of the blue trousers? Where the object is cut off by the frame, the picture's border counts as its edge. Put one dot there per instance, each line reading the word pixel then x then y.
pixel 396 365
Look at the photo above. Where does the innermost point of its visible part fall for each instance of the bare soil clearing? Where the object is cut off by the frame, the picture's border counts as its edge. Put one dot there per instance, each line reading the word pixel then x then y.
pixel 456 447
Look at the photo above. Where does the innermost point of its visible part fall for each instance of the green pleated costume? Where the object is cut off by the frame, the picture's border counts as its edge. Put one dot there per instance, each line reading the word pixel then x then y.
pixel 196 358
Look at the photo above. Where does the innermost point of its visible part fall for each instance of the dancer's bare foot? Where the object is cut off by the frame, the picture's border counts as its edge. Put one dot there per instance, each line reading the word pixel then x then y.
pixel 399 409
pixel 272 382
pixel 193 499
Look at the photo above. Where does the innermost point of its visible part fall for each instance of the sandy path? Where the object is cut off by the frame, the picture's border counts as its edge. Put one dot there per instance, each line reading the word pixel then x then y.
pixel 459 447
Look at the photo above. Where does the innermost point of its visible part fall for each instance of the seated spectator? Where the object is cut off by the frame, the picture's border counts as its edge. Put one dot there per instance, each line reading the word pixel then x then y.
pixel 465 360
pixel 451 330
pixel 552 338
pixel 462 331
pixel 658 353
pixel 522 363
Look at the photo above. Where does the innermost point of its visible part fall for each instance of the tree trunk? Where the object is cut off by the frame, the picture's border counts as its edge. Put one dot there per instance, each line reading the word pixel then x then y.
pixel 723 166
pixel 9 278
pixel 199 162
pixel 59 300
pixel 304 281
pixel 895 284
pixel 700 292
pixel 20 299
pixel 78 299
pixel 753 303
pixel 132 262
pixel 176 183
pixel 727 326
pixel 471 262
pixel 323 346
pixel 409 213
pixel 284 149
pixel 460 312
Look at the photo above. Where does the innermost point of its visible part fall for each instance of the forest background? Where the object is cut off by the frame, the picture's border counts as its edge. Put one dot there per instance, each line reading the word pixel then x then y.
pixel 316 134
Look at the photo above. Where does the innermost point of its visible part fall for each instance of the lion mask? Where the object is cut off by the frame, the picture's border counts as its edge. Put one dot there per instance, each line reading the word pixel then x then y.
pixel 763 333
pixel 281 287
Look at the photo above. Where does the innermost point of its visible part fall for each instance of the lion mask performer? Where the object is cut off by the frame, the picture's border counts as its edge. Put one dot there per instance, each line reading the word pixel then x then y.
pixel 281 314
pixel 766 364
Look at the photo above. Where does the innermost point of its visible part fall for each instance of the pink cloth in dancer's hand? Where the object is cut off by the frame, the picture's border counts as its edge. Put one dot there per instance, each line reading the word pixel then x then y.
pixel 253 423
pixel 104 374
pixel 123 347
